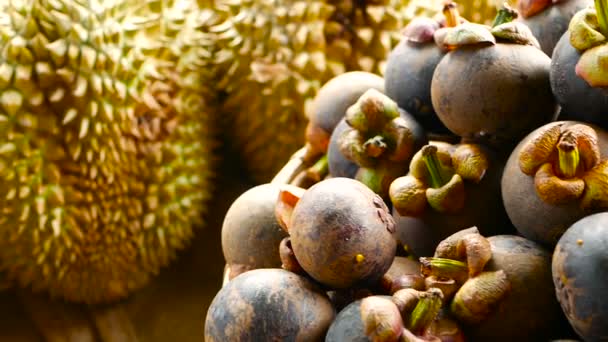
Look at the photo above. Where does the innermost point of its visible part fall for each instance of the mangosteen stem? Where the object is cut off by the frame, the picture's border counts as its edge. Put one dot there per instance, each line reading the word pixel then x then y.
pixel 319 169
pixel 444 268
pixel 425 311
pixel 433 165
pixel 505 15
pixel 375 147
pixel 568 160
pixel 450 11
pixel 601 7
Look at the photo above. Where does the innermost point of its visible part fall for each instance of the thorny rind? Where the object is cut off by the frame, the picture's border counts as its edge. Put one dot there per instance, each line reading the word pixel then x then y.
pixel 479 296
pixel 378 139
pixel 437 177
pixel 589 35
pixel 565 163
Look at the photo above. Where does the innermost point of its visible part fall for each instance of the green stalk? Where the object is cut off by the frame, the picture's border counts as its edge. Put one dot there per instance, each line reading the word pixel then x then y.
pixel 444 268
pixel 569 160
pixel 425 311
pixel 319 169
pixel 601 6
pixel 433 165
pixel 505 15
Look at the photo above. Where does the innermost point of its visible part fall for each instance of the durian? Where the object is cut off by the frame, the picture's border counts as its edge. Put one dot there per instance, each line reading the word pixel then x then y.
pixel 273 55
pixel 106 142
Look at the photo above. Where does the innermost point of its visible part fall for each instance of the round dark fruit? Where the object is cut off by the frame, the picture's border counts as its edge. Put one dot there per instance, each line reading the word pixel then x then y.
pixel 268 305
pixel 580 275
pixel 250 232
pixel 579 100
pixel 338 164
pixel 549 24
pixel 492 91
pixel 336 95
pixel 348 325
pixel 342 233
pixel 529 311
pixel 537 204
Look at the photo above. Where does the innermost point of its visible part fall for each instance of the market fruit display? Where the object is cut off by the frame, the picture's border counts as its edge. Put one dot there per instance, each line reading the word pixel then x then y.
pixel 273 56
pixel 578 75
pixel 107 143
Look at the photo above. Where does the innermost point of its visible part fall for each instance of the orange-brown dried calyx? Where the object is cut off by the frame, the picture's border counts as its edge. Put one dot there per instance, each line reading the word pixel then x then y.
pixel 377 139
pixel 566 166
pixel 529 8
pixel 589 35
pixel 437 178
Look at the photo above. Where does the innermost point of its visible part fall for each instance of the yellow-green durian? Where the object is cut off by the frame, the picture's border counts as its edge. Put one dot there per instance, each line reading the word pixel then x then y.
pixel 273 56
pixel 106 142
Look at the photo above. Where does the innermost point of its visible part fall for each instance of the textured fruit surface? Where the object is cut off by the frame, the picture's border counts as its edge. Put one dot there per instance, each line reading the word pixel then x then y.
pixel 269 305
pixel 274 55
pixel 579 275
pixel 105 149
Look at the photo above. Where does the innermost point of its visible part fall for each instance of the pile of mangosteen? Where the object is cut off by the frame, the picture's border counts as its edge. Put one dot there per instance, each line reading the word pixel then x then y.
pixel 461 197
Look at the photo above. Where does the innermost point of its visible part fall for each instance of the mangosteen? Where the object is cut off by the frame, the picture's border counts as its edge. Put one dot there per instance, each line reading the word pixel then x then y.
pixel 493 85
pixel 580 276
pixel 548 20
pixel 403 273
pixel 331 102
pixel 269 305
pixel 554 177
pixel 348 325
pixel 251 233
pixel 508 294
pixel 579 80
pixel 338 164
pixel 410 66
pixel 342 234
pixel 448 188
pixel 381 139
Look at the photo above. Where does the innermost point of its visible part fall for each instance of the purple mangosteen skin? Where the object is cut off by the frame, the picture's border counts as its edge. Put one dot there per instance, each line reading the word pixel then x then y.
pixel 408 76
pixel 549 25
pixel 580 275
pixel 578 100
pixel 339 165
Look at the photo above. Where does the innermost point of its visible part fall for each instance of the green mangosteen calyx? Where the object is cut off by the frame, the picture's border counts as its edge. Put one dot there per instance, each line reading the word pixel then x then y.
pixel 504 29
pixel 589 34
pixel 529 8
pixel 566 166
pixel 378 139
pixel 437 177
pixel 479 296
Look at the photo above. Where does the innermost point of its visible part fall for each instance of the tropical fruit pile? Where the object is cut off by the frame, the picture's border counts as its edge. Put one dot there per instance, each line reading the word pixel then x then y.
pixel 463 196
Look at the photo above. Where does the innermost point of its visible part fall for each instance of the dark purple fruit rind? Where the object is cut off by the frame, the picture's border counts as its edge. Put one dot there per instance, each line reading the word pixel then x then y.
pixel 408 75
pixel 250 232
pixel 549 25
pixel 339 93
pixel 579 101
pixel 493 94
pixel 532 217
pixel 530 311
pixel 580 275
pixel 339 165
pixel 336 220
pixel 268 305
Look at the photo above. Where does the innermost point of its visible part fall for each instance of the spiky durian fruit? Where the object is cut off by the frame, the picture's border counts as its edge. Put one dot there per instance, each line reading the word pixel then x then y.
pixel 105 151
pixel 273 56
